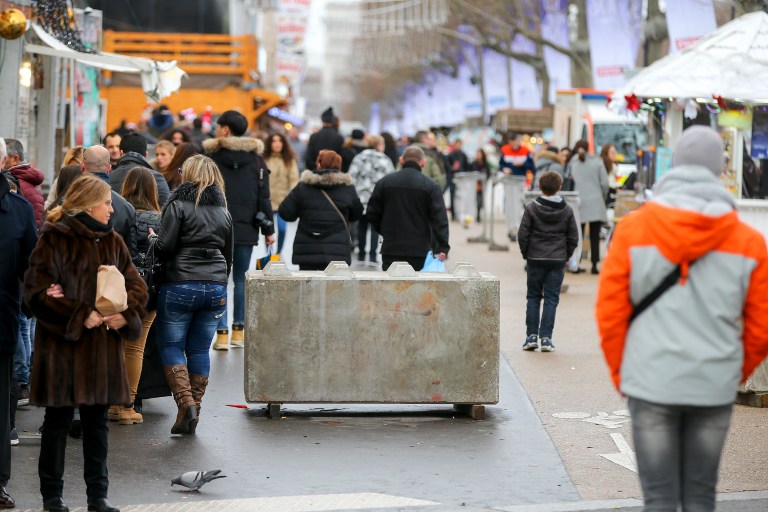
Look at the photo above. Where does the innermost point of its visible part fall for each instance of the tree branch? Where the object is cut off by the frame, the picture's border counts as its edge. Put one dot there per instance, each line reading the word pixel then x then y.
pixel 517 28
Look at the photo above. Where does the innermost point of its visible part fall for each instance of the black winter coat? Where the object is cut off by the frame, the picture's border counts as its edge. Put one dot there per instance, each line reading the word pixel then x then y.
pixel 246 184
pixel 18 235
pixel 321 236
pixel 325 138
pixel 129 161
pixel 548 231
pixel 195 242
pixel 408 209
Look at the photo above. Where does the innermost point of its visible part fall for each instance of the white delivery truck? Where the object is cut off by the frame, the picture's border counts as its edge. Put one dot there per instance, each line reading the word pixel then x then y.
pixel 584 114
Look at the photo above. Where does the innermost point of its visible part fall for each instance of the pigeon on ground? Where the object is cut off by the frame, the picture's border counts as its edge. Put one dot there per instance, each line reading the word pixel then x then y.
pixel 196 479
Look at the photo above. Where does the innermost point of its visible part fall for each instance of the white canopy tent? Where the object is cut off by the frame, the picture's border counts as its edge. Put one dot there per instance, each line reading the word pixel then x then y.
pixel 731 62
pixel 158 78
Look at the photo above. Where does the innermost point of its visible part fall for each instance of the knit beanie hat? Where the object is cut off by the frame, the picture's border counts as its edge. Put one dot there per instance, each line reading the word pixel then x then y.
pixel 700 145
pixel 327 115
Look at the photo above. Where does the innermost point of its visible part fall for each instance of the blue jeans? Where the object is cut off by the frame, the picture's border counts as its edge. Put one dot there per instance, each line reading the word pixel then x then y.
pixel 22 358
pixel 241 260
pixel 187 316
pixel 678 451
pixel 544 280
pixel 282 228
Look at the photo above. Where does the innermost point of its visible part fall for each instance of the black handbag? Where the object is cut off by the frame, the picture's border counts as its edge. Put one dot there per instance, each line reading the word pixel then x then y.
pixel 151 269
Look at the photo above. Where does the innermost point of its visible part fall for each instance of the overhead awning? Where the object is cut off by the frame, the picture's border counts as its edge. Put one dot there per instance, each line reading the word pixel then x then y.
pixel 158 78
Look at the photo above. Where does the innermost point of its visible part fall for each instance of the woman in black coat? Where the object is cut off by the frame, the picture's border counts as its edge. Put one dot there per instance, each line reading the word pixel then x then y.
pixel 326 203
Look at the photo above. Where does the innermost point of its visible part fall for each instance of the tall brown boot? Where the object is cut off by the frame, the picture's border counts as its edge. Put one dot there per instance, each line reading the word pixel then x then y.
pixel 178 380
pixel 198 383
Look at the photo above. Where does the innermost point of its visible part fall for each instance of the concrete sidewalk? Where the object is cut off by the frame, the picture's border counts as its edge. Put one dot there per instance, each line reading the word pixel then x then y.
pixel 538 450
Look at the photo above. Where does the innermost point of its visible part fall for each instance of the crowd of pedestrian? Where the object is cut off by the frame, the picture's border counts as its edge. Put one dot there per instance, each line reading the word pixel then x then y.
pixel 190 218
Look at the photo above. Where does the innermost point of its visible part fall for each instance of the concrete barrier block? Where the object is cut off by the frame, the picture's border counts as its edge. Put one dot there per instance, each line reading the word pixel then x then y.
pixel 379 337
pixel 400 269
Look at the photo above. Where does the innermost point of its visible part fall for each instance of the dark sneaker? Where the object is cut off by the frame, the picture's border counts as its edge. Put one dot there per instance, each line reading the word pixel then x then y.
pixel 547 345
pixel 23 397
pixel 14 437
pixel 531 342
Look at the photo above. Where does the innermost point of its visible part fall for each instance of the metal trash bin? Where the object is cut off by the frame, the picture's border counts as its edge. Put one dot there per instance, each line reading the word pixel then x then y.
pixel 514 201
pixel 465 195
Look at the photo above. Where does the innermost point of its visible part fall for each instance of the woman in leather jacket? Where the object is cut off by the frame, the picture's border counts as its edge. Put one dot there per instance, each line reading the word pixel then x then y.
pixel 195 244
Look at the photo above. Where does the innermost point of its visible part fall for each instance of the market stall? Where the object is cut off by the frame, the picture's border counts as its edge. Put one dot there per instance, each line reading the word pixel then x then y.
pixel 719 80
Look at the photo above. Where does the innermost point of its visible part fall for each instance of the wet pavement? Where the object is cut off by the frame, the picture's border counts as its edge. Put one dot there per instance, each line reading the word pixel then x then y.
pixel 532 453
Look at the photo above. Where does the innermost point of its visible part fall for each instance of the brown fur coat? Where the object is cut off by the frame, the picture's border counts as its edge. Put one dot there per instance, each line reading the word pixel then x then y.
pixel 73 365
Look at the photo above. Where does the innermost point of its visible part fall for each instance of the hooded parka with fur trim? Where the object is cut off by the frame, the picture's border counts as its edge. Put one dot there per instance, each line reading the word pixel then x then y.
pixel 246 184
pixel 321 236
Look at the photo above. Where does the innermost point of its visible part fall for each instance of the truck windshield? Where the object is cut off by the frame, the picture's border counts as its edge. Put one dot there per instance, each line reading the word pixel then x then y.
pixel 626 138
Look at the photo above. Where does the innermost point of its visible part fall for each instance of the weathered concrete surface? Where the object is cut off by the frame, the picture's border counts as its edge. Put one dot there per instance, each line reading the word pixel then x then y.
pixel 372 336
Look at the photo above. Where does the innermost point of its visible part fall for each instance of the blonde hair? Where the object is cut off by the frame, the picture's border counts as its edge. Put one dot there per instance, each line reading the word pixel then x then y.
pixel 167 145
pixel 85 192
pixel 74 155
pixel 203 172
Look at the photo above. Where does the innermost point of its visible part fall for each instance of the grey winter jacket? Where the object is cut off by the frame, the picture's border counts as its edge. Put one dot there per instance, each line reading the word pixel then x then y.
pixel 591 182
pixel 127 162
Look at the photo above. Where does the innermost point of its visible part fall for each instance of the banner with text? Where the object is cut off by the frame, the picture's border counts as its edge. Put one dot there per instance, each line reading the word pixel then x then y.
pixel 291 28
pixel 611 42
pixel 688 21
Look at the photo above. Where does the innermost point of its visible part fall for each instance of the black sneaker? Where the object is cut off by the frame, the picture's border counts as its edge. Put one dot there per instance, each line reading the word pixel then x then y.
pixel 547 345
pixel 14 437
pixel 23 397
pixel 531 342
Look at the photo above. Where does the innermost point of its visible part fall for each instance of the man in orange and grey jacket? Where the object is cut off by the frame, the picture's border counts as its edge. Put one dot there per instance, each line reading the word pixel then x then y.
pixel 681 360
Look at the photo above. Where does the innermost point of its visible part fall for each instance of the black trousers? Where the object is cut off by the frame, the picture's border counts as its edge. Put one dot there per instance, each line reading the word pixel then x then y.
pixel 6 371
pixel 594 240
pixel 417 262
pixel 362 232
pixel 53 447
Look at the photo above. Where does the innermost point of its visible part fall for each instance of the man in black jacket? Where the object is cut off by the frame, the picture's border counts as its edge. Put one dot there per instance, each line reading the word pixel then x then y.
pixel 408 209
pixel 18 235
pixel 133 148
pixel 328 137
pixel 123 220
pixel 246 183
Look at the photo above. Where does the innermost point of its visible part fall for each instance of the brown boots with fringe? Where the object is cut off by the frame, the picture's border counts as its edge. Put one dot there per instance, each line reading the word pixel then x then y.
pixel 178 380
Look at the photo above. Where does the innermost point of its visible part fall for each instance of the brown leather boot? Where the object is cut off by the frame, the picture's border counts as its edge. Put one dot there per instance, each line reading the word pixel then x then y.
pixel 198 383
pixel 178 380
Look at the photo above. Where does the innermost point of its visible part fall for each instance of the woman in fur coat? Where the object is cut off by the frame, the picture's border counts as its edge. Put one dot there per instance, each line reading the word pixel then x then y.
pixel 78 358
pixel 319 201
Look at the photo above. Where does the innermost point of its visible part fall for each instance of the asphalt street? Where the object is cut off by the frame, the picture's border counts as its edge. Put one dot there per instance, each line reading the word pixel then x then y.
pixel 558 440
